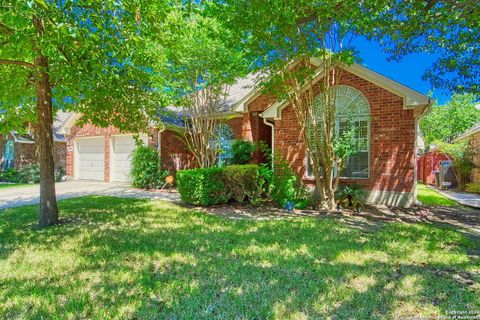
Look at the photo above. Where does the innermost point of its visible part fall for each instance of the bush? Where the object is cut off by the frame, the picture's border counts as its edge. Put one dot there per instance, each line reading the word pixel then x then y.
pixel 202 187
pixel 242 151
pixel 287 187
pixel 28 174
pixel 145 171
pixel 243 182
pixel 473 187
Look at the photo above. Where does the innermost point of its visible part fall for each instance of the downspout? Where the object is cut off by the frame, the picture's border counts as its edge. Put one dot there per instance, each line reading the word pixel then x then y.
pixel 424 112
pixel 159 141
pixel 271 125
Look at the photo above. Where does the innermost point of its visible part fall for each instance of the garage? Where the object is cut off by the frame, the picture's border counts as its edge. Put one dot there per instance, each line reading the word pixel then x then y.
pixel 91 158
pixel 121 156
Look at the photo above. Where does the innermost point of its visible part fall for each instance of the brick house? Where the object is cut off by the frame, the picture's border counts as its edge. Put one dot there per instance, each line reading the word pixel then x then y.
pixel 19 150
pixel 387 117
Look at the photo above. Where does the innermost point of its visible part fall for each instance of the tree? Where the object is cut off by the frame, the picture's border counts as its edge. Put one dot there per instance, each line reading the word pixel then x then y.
pixel 446 122
pixel 461 154
pixel 203 61
pixel 281 38
pixel 79 55
pixel 447 29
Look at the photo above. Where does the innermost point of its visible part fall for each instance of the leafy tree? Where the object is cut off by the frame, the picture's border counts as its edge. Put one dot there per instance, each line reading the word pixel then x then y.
pixel 448 29
pixel 281 37
pixel 461 154
pixel 81 55
pixel 203 61
pixel 446 122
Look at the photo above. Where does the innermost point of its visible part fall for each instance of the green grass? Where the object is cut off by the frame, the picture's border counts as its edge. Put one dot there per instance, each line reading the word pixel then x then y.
pixel 130 258
pixel 430 197
pixel 11 185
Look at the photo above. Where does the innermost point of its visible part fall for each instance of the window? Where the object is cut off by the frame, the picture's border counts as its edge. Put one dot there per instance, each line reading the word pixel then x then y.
pixel 352 107
pixel 7 155
pixel 225 140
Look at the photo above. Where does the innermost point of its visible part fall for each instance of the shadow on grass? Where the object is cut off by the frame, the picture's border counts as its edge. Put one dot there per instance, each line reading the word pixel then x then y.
pixel 131 258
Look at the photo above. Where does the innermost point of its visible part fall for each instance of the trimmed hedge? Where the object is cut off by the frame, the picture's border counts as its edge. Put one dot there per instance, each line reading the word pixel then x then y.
pixel 145 171
pixel 202 187
pixel 211 186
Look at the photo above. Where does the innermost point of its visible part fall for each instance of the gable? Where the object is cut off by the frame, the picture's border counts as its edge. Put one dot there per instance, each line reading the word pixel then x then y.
pixel 367 82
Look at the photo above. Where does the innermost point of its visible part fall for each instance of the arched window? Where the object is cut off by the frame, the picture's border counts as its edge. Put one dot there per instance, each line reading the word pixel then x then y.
pixel 352 108
pixel 225 140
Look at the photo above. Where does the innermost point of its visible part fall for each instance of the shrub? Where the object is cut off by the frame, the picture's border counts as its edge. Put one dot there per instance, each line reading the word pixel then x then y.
pixel 287 186
pixel 243 182
pixel 242 151
pixel 351 196
pixel 473 187
pixel 145 171
pixel 202 187
pixel 28 174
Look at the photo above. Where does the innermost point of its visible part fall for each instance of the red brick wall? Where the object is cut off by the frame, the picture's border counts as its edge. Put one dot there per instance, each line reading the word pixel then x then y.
pixel 392 139
pixel 174 154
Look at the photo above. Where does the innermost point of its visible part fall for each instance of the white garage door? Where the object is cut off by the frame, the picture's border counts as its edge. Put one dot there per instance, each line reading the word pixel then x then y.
pixel 121 157
pixel 91 158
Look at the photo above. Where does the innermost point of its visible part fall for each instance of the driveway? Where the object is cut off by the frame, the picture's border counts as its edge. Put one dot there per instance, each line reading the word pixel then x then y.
pixel 26 195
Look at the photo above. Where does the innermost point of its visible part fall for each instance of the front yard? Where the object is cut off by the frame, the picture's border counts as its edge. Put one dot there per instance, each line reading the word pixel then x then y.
pixel 130 258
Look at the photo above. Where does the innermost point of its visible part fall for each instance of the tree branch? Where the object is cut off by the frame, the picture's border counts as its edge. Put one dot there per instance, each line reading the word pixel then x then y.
pixel 18 63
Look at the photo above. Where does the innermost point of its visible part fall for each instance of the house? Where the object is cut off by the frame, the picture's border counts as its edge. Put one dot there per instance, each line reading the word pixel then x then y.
pixel 387 115
pixel 473 137
pixel 18 150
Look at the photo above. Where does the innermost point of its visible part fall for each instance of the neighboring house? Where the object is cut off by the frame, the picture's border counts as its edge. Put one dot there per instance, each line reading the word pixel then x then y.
pixel 386 114
pixel 18 150
pixel 473 137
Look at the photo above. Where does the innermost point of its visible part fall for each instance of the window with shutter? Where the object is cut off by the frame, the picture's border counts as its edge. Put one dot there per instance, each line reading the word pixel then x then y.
pixel 352 107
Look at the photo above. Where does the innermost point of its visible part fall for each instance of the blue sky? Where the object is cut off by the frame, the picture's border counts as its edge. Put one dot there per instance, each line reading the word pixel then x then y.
pixel 408 71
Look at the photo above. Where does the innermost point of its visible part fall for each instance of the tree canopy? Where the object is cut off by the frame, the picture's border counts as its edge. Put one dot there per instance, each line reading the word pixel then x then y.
pixel 445 122
pixel 98 54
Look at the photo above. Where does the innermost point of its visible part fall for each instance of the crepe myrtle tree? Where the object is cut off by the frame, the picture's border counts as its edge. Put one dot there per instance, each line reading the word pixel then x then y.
pixel 77 55
pixel 203 60
pixel 281 38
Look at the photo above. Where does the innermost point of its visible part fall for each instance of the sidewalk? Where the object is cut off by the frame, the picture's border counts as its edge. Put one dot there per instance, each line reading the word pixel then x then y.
pixel 467 199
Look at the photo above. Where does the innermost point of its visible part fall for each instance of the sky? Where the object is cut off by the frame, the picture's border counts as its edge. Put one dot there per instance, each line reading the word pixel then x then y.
pixel 407 71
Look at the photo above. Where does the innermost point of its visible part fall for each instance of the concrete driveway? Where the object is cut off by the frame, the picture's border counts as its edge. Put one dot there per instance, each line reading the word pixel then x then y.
pixel 26 195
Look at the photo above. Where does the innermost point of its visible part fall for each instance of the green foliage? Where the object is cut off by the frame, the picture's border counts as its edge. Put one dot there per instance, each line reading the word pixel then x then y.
pixel 287 186
pixel 473 187
pixel 145 168
pixel 97 54
pixel 242 151
pixel 446 122
pixel 244 182
pixel 203 186
pixel 28 174
pixel 351 196
pixel 447 29
pixel 209 186
pixel 461 153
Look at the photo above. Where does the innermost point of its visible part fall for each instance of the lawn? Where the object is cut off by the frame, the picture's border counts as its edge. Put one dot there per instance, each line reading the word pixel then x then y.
pixel 430 197
pixel 11 185
pixel 130 258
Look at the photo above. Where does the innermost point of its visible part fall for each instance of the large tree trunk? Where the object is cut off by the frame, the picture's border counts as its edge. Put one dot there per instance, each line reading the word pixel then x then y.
pixel 44 136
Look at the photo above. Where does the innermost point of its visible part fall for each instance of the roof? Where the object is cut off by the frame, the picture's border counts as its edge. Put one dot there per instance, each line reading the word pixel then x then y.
pixel 411 98
pixel 57 137
pixel 475 129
